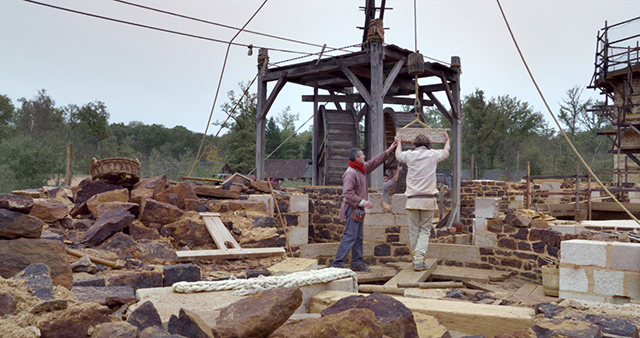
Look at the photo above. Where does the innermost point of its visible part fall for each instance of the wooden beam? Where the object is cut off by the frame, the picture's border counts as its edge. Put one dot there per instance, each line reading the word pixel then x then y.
pixel 325 66
pixel 274 93
pixel 392 76
pixel 316 137
pixel 357 98
pixel 261 121
pixel 356 83
pixel 447 91
pixel 377 137
pixel 190 255
pixel 408 275
pixel 440 107
pixel 336 103
pixel 432 88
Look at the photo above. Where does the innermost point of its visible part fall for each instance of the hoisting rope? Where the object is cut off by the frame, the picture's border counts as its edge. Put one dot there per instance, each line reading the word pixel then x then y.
pixel 254 285
pixel 558 123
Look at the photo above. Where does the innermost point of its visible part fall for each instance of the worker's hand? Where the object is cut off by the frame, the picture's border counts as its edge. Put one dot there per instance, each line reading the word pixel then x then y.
pixel 368 204
pixel 399 168
pixel 392 147
pixel 398 139
pixel 446 136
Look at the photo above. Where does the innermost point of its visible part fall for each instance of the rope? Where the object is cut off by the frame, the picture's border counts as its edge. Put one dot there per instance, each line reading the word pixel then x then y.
pixel 254 285
pixel 557 122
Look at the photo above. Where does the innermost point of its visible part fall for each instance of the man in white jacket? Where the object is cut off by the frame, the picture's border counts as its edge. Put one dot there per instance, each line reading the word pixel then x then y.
pixel 421 191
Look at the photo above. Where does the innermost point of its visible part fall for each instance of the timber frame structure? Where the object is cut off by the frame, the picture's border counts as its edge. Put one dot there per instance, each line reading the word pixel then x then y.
pixel 379 74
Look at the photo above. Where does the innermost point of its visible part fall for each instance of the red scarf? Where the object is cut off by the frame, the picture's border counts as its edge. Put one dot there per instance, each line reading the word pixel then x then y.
pixel 358 165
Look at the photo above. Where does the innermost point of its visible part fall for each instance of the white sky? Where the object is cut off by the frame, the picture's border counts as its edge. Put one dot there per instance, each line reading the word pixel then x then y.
pixel 155 77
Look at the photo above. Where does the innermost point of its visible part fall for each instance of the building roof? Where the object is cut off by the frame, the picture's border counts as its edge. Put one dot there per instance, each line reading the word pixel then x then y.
pixel 280 169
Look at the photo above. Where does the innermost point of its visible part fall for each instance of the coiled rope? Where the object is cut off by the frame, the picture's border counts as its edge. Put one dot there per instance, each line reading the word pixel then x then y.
pixel 261 283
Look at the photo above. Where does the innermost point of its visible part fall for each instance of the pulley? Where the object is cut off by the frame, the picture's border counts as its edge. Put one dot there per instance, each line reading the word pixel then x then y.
pixel 415 64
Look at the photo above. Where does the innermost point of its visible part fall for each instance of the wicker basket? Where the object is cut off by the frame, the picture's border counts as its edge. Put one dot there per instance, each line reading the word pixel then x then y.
pixel 116 170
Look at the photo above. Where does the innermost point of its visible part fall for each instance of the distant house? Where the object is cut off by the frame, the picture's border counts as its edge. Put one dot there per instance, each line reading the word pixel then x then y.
pixel 290 169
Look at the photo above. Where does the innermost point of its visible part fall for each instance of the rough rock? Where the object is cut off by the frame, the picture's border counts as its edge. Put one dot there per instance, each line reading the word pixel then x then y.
pixel 99 294
pixel 361 323
pixel 83 264
pixel 83 224
pixel 394 317
pixel 153 251
pixel 549 310
pixel 49 210
pixel 36 277
pixel 120 195
pixel 15 224
pixel 87 279
pixel 17 254
pixel 540 224
pixel 189 324
pixel 190 231
pixel 7 304
pixel 16 203
pixel 87 188
pixel 258 315
pixel 557 328
pixel 213 191
pixel 204 205
pixel 182 190
pixel 181 273
pixel 517 221
pixel 136 196
pixel 50 306
pixel 430 326
pixel 235 205
pixel 155 184
pixel 104 208
pixel 73 322
pixel 110 224
pixel 115 330
pixel 616 326
pixel 139 231
pixel 157 332
pixel 145 316
pixel 135 279
pixel 152 211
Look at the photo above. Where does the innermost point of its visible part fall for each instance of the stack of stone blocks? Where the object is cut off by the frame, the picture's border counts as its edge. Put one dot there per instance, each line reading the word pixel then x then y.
pixel 294 209
pixel 600 271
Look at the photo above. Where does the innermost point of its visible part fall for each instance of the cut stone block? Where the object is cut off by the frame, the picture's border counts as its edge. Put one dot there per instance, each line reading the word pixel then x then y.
pixel 487 207
pixel 398 203
pixel 479 224
pixel 632 284
pixel 298 235
pixel 581 296
pixel 376 200
pixel 267 199
pixel 291 265
pixel 485 239
pixel 610 283
pixel 583 252
pixel 379 219
pixel 573 280
pixel 624 256
pixel 303 219
pixel 401 219
pixel 460 253
pixel 567 228
pixel 375 233
pixel 434 250
pixel 310 251
pixel 299 203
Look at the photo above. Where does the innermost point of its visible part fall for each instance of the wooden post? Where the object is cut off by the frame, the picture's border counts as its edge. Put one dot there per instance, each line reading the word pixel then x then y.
pixel 261 120
pixel 589 196
pixel 473 175
pixel 316 137
pixel 577 188
pixel 527 192
pixel 457 142
pixel 518 167
pixel 69 173
pixel 376 114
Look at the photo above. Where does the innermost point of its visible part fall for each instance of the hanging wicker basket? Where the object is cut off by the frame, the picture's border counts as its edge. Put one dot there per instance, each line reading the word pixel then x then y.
pixel 116 170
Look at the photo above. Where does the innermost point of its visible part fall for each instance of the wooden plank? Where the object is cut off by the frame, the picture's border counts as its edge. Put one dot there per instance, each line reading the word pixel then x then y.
pixel 219 232
pixel 432 285
pixel 538 292
pixel 368 288
pixel 408 275
pixel 468 274
pixel 190 255
pixel 526 289
pixel 377 274
pixel 356 98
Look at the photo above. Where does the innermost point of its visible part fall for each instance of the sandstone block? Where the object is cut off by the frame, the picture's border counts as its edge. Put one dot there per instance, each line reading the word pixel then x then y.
pixel 374 233
pixel 115 329
pixel 379 219
pixel 398 203
pixel 291 265
pixel 120 195
pixel 88 188
pixel 298 236
pixel 573 280
pixel 479 224
pixel 310 251
pixel 182 190
pixel 15 224
pixel 632 284
pixel 487 207
pixel 362 323
pixel 583 252
pixel 376 200
pixel 401 219
pixel 579 296
pixel 485 239
pixel 461 253
pixel 110 224
pixel 303 219
pixel 17 254
pixel 299 203
pixel 610 283
pixel 16 203
pixel 48 210
pixel 624 256
pixel 152 211
pixel 267 199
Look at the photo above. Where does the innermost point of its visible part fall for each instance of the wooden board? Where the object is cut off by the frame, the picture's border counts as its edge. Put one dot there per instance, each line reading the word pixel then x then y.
pixel 377 274
pixel 408 275
pixel 462 274
pixel 218 231
pixel 527 289
pixel 190 255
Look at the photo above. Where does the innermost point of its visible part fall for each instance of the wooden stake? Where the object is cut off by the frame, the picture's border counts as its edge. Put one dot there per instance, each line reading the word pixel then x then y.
pixel 69 174
pixel 432 285
pixel 367 288
pixel 527 194
pixel 284 225
pixel 115 265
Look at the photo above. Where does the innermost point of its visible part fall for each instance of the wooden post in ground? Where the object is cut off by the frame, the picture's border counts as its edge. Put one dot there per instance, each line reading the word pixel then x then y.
pixel 377 119
pixel 527 192
pixel 69 173
pixel 577 189
pixel 261 120
pixel 456 115
pixel 589 196
pixel 316 138
pixel 473 176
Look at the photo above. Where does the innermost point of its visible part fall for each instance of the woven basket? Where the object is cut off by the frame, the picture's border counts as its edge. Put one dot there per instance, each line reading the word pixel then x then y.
pixel 116 170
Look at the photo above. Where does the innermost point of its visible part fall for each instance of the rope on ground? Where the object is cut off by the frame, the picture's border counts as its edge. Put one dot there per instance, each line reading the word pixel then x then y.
pixel 557 122
pixel 254 285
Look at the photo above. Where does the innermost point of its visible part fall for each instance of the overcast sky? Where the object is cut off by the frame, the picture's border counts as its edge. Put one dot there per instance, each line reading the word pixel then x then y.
pixel 155 77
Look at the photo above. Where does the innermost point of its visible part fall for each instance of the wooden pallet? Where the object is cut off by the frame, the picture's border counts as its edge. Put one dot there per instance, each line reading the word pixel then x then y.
pixel 228 247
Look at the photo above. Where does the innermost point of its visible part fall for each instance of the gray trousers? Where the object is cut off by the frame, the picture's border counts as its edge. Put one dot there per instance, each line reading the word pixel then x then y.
pixel 420 223
pixel 351 241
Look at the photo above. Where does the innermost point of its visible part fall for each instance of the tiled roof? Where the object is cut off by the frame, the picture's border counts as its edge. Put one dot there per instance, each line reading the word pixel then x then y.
pixel 280 169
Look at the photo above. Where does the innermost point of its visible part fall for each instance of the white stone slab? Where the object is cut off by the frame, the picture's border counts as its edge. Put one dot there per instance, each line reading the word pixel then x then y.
pixel 626 223
pixel 583 252
pixel 398 203
pixel 479 224
pixel 624 256
pixel 609 283
pixel 267 199
pixel 376 200
pixel 298 235
pixel 573 280
pixel 581 296
pixel 487 207
pixel 299 203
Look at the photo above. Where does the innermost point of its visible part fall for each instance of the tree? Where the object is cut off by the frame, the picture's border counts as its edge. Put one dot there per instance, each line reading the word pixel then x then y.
pixel 7 111
pixel 40 118
pixel 89 124
pixel 239 143
pixel 575 115
pixel 31 161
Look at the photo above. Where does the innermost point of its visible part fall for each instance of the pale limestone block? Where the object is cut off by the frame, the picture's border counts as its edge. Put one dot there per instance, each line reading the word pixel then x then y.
pixel 573 280
pixel 367 249
pixel 634 194
pixel 595 194
pixel 404 234
pixel 567 228
pixel 462 239
pixel 303 219
pixel 632 284
pixel 375 234
pixel 299 203
pixel 267 199
pixel 379 219
pixel 376 200
pixel 479 224
pixel 460 253
pixel 426 293
pixel 581 296
pixel 327 249
pixel 634 200
pixel 298 235
pixel 607 282
pixel 583 252
pixel 624 256
pixel 310 251
pixel 291 265
pixel 520 198
pixel 434 250
pixel 487 207
pixel 485 239
pixel 398 203
pixel 401 219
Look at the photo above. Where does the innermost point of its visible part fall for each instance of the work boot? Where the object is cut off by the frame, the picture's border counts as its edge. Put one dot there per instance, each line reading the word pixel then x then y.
pixel 362 268
pixel 419 266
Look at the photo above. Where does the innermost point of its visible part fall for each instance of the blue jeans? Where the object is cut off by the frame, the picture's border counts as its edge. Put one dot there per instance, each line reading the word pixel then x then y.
pixel 351 241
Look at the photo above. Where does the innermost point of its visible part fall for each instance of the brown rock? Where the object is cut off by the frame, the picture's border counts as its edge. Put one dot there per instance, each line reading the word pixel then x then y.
pixel 361 323
pixel 262 186
pixel 517 221
pixel 157 332
pixel 7 304
pixel 156 184
pixel 73 322
pixel 49 210
pixel 104 208
pixel 429 326
pixel 15 224
pixel 135 279
pixel 183 190
pixel 87 188
pixel 189 324
pixel 235 205
pixel 137 195
pixel 394 317
pixel 614 326
pixel 115 330
pixel 139 231
pixel 110 224
pixel 16 203
pixel 203 205
pixel 120 195
pixel 557 328
pixel 152 211
pixel 17 254
pixel 100 294
pixel 153 251
pixel 145 316
pixel 540 224
pixel 213 191
pixel 50 306
pixel 259 315
pixel 191 231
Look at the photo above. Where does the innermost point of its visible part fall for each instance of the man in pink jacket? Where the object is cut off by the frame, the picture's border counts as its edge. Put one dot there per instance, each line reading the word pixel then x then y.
pixel 355 199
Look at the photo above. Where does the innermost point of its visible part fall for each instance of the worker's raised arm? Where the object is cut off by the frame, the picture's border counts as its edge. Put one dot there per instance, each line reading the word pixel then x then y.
pixel 447 144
